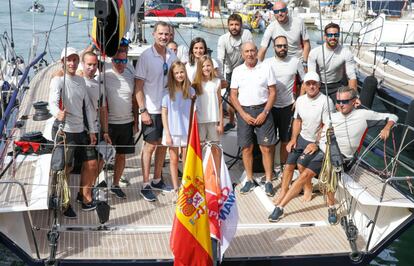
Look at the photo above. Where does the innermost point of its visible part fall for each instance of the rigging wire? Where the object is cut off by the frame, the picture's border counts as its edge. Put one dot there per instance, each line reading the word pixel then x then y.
pixel 11 25
pixel 51 25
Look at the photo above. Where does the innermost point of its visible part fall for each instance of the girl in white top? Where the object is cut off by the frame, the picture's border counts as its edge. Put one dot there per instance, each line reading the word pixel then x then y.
pixel 209 103
pixel 175 115
pixel 198 48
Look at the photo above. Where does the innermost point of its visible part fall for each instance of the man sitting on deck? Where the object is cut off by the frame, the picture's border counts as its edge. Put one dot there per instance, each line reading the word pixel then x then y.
pixel 310 109
pixel 349 125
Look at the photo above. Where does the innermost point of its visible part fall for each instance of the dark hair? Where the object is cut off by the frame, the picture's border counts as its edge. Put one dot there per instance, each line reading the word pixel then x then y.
pixel 172 42
pixel 190 51
pixel 280 36
pixel 161 23
pixel 235 17
pixel 332 25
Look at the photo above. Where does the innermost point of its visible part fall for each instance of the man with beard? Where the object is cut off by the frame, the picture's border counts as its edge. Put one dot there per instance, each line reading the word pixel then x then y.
pixel 292 27
pixel 338 62
pixel 150 81
pixel 253 93
pixel 229 53
pixel 285 68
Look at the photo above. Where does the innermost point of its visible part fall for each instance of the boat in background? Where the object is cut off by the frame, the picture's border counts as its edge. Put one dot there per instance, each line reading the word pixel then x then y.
pixel 85 4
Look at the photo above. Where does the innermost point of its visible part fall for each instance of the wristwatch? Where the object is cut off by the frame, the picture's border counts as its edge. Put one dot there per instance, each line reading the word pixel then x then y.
pixel 142 110
pixel 266 111
pixel 305 64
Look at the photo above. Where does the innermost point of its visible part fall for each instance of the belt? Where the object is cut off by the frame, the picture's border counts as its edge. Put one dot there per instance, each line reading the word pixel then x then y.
pixel 255 106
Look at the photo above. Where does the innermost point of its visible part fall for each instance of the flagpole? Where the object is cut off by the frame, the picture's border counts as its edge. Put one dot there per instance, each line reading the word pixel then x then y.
pixel 190 121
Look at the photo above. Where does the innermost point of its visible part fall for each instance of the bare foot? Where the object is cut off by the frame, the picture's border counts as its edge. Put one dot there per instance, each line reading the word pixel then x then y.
pixel 307 192
pixel 280 196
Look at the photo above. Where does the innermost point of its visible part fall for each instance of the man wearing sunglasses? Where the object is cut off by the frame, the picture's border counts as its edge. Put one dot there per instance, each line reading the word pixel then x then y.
pixel 151 76
pixel 339 63
pixel 119 114
pixel 349 125
pixel 285 68
pixel 292 27
pixel 229 54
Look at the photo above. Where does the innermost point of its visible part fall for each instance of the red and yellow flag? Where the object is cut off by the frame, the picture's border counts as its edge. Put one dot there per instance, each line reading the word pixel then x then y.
pixel 190 236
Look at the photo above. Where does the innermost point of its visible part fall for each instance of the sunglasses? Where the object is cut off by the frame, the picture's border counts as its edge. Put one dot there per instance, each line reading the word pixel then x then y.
pixel 277 11
pixel 280 46
pixel 124 42
pixel 331 35
pixel 347 101
pixel 119 61
pixel 165 68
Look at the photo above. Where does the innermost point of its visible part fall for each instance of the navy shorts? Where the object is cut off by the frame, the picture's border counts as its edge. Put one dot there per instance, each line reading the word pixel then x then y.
pixel 88 152
pixel 246 133
pixel 153 132
pixel 282 118
pixel 122 137
pixel 297 156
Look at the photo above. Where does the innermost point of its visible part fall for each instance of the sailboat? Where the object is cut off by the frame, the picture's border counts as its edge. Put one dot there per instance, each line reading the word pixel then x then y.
pixel 375 210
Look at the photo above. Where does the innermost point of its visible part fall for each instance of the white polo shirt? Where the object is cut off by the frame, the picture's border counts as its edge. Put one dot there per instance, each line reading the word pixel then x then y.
pixel 252 83
pixel 285 71
pixel 294 30
pixel 150 69
pixel 311 111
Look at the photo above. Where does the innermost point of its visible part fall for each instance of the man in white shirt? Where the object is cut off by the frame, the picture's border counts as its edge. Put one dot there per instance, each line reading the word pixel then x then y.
pixel 229 54
pixel 337 64
pixel 120 116
pixel 285 68
pixel 253 93
pixel 291 27
pixel 68 98
pixel 151 76
pixel 349 125
pixel 310 109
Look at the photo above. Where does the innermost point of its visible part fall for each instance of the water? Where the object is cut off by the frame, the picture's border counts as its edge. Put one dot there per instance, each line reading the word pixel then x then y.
pixel 25 24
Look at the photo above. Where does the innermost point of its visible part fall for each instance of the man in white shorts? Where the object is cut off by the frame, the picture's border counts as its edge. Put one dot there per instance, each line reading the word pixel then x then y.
pixel 253 93
pixel 293 28
pixel 349 125
pixel 339 62
pixel 310 108
pixel 286 68
pixel 121 110
pixel 151 76
pixel 229 54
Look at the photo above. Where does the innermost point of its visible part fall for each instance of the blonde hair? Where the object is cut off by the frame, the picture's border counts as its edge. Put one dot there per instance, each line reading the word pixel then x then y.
pixel 198 79
pixel 173 85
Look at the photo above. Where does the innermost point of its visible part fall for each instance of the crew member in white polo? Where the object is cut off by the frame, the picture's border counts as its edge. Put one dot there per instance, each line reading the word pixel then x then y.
pixel 339 62
pixel 285 68
pixel 292 27
pixel 310 109
pixel 150 82
pixel 253 93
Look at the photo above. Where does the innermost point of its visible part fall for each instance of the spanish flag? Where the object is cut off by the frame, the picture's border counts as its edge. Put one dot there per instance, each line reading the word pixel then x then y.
pixel 190 236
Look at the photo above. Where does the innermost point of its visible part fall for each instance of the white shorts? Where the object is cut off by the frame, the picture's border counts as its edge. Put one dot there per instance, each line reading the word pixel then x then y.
pixel 208 132
pixel 178 141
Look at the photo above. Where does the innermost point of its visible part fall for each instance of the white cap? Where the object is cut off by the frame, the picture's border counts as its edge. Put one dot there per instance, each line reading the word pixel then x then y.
pixel 69 51
pixel 311 76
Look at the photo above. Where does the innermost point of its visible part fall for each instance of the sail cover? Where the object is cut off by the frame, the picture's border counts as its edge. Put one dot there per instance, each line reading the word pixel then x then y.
pixel 107 35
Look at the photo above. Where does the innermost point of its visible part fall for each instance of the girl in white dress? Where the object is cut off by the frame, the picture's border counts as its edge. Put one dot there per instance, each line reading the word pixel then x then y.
pixel 175 115
pixel 209 105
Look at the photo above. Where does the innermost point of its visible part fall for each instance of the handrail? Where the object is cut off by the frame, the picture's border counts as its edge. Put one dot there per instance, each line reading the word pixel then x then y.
pixel 28 211
pixel 12 101
pixel 373 222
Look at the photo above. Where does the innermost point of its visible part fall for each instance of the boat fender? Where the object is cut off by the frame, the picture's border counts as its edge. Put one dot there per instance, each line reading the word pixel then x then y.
pixel 409 119
pixel 369 87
